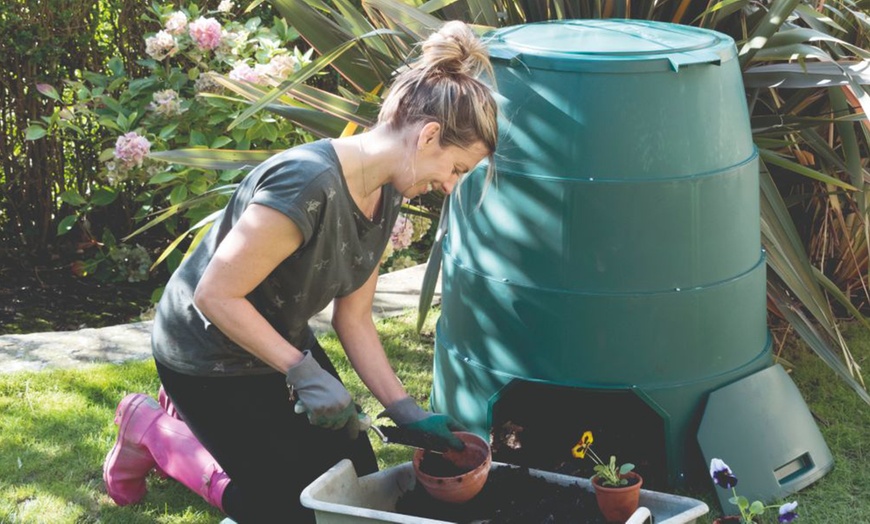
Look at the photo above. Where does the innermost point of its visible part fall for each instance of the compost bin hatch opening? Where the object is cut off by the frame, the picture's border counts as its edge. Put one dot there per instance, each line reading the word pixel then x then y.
pixel 537 425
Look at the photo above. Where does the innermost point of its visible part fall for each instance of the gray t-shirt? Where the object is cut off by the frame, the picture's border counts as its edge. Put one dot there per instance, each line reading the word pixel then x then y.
pixel 341 248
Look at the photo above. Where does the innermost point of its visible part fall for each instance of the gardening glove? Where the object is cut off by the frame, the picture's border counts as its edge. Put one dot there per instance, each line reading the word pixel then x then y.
pixel 408 415
pixel 321 396
pixel 354 427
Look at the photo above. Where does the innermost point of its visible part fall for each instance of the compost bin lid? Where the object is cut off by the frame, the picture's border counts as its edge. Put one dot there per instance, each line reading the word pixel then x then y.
pixel 619 46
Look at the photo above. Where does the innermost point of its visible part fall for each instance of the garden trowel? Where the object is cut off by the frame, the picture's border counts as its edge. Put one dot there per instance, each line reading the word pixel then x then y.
pixel 397 435
pixel 404 437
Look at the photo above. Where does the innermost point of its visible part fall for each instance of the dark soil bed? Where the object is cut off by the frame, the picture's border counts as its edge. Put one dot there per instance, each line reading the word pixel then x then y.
pixel 510 495
pixel 47 296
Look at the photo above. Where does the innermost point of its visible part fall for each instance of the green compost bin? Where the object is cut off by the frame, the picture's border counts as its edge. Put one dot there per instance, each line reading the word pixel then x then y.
pixel 612 275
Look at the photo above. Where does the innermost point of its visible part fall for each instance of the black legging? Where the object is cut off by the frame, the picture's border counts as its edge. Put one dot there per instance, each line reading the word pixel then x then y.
pixel 269 452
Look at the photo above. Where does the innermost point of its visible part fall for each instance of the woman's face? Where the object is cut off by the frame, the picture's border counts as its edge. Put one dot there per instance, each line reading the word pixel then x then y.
pixel 437 167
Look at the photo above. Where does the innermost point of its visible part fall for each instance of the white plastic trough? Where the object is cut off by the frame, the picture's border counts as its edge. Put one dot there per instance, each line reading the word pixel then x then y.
pixel 340 497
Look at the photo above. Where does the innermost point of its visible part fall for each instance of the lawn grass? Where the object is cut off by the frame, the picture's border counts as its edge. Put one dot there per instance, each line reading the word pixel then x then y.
pixel 843 495
pixel 57 427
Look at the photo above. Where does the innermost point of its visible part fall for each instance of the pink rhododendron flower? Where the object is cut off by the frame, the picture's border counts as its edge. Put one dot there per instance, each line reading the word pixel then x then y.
pixel 233 40
pixel 206 33
pixel 281 66
pixel 403 232
pixel 130 150
pixel 262 71
pixel 176 24
pixel 161 45
pixel 206 84
pixel 166 103
pixel 245 73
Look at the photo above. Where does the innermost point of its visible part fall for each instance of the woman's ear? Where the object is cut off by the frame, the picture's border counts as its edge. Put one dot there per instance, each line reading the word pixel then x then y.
pixel 430 134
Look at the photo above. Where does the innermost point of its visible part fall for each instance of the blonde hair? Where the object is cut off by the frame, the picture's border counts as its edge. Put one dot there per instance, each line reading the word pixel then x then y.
pixel 443 86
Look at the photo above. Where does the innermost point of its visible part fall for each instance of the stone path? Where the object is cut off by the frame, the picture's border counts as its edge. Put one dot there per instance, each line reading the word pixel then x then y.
pixel 397 292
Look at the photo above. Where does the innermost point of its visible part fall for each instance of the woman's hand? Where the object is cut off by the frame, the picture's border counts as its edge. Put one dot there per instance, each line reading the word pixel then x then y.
pixel 408 415
pixel 322 397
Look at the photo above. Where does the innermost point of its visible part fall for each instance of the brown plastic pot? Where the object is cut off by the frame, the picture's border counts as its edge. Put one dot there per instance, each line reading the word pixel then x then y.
pixel 476 459
pixel 727 519
pixel 617 504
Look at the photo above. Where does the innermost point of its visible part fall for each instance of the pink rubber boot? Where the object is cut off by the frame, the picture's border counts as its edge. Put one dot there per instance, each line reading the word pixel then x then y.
pixel 147 430
pixel 128 462
pixel 167 405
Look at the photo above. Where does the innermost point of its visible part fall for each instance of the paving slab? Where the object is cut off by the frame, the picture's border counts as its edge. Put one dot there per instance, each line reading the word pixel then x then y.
pixel 396 293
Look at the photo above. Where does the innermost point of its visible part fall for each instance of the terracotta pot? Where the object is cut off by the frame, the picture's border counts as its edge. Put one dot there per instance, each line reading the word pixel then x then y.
pixel 476 458
pixel 617 504
pixel 728 519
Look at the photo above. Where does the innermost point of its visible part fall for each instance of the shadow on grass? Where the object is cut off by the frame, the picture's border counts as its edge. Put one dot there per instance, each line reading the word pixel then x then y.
pixel 57 429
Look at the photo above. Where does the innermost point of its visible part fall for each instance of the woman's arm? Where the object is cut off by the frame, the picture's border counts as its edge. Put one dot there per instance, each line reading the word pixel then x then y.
pixel 262 239
pixel 352 321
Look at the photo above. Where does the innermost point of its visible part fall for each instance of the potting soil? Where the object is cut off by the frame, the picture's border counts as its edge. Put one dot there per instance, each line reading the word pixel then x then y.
pixel 510 495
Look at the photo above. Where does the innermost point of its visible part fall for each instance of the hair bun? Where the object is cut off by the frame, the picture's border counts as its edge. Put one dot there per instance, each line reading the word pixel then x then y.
pixel 454 48
pixel 442 86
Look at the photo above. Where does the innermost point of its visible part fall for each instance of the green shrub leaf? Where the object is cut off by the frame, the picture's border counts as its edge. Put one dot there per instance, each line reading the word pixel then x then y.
pixel 104 197
pixel 66 224
pixel 167 130
pixel 48 90
pixel 34 132
pixel 162 178
pixel 72 198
